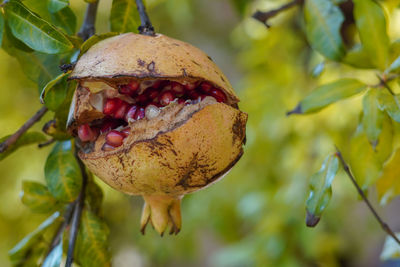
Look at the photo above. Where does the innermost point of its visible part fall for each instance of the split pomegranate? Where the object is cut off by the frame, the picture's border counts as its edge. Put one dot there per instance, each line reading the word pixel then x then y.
pixel 155 117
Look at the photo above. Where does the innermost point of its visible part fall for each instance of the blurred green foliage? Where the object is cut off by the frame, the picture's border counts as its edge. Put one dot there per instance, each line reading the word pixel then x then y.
pixel 256 215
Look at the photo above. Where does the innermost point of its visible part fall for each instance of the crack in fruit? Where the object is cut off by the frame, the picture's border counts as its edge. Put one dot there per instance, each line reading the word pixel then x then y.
pixel 156 94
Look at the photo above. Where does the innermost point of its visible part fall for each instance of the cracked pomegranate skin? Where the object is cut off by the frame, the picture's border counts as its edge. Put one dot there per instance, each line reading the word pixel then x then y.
pixel 164 163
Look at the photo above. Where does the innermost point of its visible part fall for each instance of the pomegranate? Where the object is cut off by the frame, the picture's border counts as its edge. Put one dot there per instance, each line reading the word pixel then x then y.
pixel 155 117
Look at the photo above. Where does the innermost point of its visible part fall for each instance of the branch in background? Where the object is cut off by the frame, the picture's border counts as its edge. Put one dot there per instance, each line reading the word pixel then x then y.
pixel 13 138
pixel 265 16
pixel 88 26
pixel 384 225
pixel 76 217
pixel 145 27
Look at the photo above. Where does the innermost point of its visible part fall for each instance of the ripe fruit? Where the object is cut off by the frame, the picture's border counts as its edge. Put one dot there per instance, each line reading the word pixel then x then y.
pixel 165 138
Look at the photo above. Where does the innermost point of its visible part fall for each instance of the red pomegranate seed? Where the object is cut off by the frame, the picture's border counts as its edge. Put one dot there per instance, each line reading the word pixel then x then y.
pixel 108 125
pixel 181 101
pixel 131 113
pixel 120 112
pixel 151 93
pixel 139 114
pixel 86 134
pixel 107 147
pixel 111 106
pixel 190 86
pixel 166 98
pixel 142 99
pixel 126 131
pixel 218 94
pixel 206 87
pixel 157 84
pixel 177 87
pixel 193 94
pixel 114 138
pixel 130 88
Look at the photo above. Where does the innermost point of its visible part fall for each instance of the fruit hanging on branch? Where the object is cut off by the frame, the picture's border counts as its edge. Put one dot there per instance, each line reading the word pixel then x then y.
pixel 155 117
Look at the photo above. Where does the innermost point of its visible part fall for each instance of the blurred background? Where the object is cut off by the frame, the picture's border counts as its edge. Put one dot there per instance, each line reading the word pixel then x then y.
pixel 255 216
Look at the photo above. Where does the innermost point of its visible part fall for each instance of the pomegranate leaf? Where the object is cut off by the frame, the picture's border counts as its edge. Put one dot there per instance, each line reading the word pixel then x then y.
pixel 94 196
pixel 52 101
pixel 391 249
pixel 124 16
pixel 18 253
pixel 391 104
pixel 65 19
pixel 323 22
pixel 95 39
pixel 371 26
pixel 62 173
pixel 26 139
pixel 366 162
pixel 35 32
pixel 92 240
pixel 388 184
pixel 55 256
pixel 372 119
pixel 37 197
pixel 321 190
pixel 327 94
pixel 56 5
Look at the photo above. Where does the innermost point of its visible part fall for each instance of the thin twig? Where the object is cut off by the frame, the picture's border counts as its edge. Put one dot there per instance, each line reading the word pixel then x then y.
pixel 265 16
pixel 384 225
pixel 145 27
pixel 13 138
pixel 47 143
pixel 383 82
pixel 76 216
pixel 88 26
pixel 58 234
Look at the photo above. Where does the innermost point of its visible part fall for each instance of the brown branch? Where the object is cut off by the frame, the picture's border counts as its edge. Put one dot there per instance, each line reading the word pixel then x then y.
pixel 145 27
pixel 265 16
pixel 384 225
pixel 77 213
pixel 88 26
pixel 14 138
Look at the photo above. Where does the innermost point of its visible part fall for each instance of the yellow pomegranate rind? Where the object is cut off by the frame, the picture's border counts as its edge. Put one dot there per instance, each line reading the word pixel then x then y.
pixel 141 56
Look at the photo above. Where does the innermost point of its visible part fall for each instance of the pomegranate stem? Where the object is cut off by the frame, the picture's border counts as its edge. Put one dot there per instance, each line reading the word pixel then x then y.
pixel 145 28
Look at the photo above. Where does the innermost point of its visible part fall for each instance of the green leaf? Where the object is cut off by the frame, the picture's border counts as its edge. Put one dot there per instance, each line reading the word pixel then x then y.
pixel 388 185
pixel 321 190
pixel 318 69
pixel 56 5
pixel 56 130
pixel 34 31
pixel 371 25
pixel 391 104
pixel 92 241
pixel 95 39
pixel 94 197
pixel 18 253
pixel 323 22
pixel 25 139
pixel 358 57
pixel 394 67
pixel 62 173
pixel 391 249
pixel 124 16
pixel 50 85
pixel 367 162
pixel 327 94
pixel 37 197
pixel 90 1
pixel 1 27
pixel 372 119
pixel 65 19
pixel 55 256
